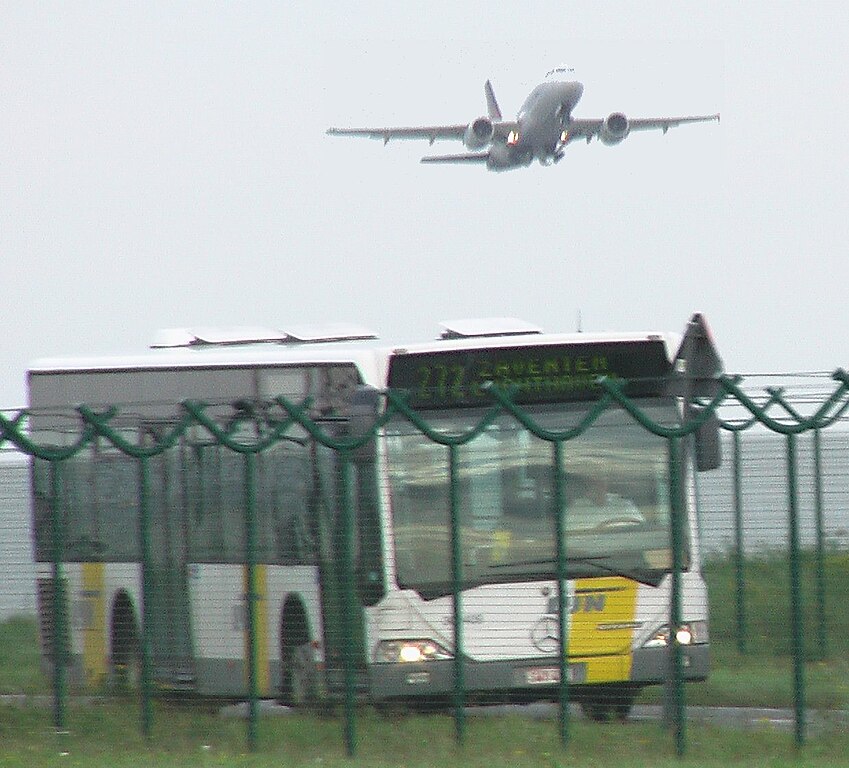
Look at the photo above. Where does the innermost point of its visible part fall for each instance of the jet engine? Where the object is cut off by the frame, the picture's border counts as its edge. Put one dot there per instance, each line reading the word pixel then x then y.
pixel 478 134
pixel 614 129
pixel 502 158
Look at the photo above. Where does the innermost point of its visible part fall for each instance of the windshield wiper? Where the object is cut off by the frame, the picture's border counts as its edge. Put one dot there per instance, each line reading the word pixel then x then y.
pixel 544 561
pixel 642 576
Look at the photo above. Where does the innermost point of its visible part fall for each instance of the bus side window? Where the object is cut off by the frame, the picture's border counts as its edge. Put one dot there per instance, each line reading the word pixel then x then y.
pixel 202 467
pixel 216 499
pixel 287 534
pixel 118 503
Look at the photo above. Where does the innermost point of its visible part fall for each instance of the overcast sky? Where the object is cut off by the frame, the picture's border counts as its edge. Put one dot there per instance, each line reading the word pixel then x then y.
pixel 166 164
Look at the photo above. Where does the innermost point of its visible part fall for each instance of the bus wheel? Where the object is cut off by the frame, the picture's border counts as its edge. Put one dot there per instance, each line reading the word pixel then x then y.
pixel 613 702
pixel 597 709
pixel 300 683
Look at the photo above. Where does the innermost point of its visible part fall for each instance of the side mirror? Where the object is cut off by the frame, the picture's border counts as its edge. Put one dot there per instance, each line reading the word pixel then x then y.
pixel 708 446
pixel 698 366
pixel 697 361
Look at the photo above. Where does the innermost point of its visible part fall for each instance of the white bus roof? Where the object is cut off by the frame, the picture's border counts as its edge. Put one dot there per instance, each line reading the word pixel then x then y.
pixel 225 356
pixel 229 354
pixel 259 346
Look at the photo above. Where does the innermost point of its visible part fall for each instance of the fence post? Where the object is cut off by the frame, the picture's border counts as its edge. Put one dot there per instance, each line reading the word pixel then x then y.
pixel 795 594
pixel 739 549
pixel 676 532
pixel 348 603
pixel 562 609
pixel 250 595
pixel 60 649
pixel 144 536
pixel 820 556
pixel 457 588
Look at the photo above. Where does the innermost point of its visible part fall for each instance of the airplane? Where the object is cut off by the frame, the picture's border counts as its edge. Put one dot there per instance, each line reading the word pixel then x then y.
pixel 542 129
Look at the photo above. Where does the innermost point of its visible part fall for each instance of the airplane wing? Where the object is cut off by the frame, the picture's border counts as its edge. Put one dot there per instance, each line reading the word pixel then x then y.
pixel 499 126
pixel 431 133
pixel 580 128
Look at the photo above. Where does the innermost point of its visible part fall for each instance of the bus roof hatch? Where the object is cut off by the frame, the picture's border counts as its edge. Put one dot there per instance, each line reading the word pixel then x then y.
pixel 205 337
pixel 487 326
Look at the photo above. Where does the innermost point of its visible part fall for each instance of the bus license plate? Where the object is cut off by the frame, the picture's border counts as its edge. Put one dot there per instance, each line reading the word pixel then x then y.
pixel 551 675
pixel 542 675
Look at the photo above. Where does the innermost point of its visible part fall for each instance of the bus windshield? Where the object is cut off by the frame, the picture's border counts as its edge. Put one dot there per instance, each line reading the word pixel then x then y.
pixel 616 499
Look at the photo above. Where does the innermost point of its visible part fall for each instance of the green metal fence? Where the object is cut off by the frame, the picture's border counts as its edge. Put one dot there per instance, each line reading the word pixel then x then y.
pixel 742 415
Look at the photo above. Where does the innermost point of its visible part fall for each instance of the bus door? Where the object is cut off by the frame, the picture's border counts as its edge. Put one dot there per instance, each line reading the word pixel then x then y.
pixel 365 588
pixel 167 612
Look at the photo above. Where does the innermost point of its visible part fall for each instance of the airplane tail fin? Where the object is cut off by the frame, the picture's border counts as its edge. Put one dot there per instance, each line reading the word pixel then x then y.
pixel 491 103
pixel 471 157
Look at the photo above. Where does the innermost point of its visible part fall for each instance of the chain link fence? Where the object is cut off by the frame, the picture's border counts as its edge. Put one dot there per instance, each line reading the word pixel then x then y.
pixel 243 552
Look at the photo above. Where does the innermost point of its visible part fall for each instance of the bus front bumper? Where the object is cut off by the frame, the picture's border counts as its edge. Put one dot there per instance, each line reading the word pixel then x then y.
pixel 531 678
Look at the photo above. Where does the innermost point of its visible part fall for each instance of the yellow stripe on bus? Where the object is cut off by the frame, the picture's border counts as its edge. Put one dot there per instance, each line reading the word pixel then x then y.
pixel 602 613
pixel 91 614
pixel 263 672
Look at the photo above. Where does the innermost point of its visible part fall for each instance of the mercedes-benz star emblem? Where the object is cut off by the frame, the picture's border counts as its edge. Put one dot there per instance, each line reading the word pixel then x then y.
pixel 545 634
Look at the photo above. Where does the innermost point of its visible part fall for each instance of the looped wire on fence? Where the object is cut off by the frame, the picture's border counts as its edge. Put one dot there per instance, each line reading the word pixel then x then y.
pixel 270 431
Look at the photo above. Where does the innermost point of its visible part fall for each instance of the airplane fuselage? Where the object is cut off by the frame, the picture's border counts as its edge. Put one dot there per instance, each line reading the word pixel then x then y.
pixel 543 118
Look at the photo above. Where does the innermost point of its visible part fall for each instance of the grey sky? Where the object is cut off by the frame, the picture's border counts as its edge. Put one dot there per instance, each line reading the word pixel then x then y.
pixel 165 164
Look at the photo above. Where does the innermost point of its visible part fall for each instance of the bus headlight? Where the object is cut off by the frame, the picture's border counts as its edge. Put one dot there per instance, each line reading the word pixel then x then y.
pixel 694 633
pixel 409 651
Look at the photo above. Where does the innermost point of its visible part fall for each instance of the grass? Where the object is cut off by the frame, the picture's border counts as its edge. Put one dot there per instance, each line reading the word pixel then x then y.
pixel 763 675
pixel 752 681
pixel 766 600
pixel 20 657
pixel 108 735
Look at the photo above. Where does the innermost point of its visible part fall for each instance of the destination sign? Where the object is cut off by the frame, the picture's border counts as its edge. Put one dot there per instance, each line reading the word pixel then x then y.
pixel 536 374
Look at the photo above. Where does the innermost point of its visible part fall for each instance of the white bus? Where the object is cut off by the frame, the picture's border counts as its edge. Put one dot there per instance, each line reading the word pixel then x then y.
pixel 617 516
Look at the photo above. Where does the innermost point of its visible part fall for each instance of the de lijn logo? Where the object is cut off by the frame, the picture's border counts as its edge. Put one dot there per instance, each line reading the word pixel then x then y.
pixel 545 633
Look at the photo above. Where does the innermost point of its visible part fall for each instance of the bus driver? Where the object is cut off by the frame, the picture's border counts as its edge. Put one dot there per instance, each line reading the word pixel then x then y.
pixel 594 505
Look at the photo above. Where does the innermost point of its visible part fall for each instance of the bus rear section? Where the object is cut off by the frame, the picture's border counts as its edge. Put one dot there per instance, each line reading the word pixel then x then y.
pixel 182 578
